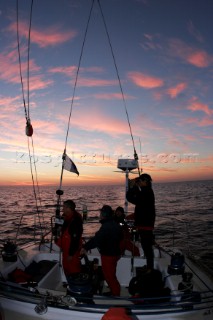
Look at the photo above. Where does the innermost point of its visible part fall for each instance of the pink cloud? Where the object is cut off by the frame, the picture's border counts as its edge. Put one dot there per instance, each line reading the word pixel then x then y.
pixel 195 32
pixel 175 91
pixel 43 38
pixel 101 122
pixel 92 69
pixel 205 122
pixel 195 105
pixel 47 127
pixel 208 138
pixel 92 82
pixel 37 83
pixel 157 95
pixel 144 80
pixel 190 138
pixel 10 69
pixel 10 72
pixel 9 103
pixel 85 81
pixel 199 59
pixel 177 48
pixel 196 57
pixel 176 143
pixel 13 134
pixel 191 120
pixel 112 96
pixel 150 42
pixel 68 71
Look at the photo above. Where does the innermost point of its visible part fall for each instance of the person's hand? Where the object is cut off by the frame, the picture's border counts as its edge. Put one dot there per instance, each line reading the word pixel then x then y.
pixel 131 183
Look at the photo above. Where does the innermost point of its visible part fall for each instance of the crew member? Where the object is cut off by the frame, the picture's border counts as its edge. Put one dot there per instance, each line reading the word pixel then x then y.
pixel 126 242
pixel 141 194
pixel 107 240
pixel 70 240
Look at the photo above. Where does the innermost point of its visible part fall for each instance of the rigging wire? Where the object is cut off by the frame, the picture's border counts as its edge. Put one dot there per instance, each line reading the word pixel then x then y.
pixel 76 80
pixel 59 192
pixel 19 57
pixel 77 73
pixel 27 108
pixel 121 89
pixel 28 59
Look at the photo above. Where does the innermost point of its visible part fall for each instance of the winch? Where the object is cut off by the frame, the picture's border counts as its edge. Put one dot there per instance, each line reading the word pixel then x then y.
pixel 177 264
pixel 186 284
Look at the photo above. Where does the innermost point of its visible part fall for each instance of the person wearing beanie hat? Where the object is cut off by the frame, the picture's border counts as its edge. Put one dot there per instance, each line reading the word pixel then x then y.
pixel 106 211
pixel 107 240
pixel 140 193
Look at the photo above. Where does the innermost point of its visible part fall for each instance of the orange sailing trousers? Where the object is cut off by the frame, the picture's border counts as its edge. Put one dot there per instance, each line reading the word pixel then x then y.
pixel 109 264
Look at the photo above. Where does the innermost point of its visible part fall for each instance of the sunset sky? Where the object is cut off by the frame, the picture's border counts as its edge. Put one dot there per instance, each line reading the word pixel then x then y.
pixel 164 55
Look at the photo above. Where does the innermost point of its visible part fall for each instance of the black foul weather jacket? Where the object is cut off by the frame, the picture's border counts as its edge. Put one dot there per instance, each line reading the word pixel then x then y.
pixel 107 238
pixel 144 200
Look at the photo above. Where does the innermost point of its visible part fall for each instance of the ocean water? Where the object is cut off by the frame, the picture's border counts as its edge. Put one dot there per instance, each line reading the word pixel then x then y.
pixel 184 213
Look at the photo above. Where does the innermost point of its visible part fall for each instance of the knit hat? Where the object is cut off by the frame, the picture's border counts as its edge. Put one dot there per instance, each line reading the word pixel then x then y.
pixel 145 177
pixel 106 211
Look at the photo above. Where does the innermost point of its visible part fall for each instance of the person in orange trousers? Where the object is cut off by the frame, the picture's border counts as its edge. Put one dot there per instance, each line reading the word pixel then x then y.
pixel 107 240
pixel 70 240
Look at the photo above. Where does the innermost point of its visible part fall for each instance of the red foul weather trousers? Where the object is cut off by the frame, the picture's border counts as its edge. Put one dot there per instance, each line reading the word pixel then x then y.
pixel 127 244
pixel 109 264
pixel 73 265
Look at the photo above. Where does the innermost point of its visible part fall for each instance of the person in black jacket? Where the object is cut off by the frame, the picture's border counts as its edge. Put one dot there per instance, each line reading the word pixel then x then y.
pixel 107 240
pixel 141 194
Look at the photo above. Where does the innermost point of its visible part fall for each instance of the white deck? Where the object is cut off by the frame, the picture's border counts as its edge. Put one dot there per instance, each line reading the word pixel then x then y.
pixel 52 285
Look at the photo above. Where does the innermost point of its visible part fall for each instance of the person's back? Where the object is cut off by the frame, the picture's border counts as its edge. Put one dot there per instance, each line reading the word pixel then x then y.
pixel 107 240
pixel 108 237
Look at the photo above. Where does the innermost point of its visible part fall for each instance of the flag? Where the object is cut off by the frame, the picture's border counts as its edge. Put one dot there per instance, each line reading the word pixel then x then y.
pixel 69 165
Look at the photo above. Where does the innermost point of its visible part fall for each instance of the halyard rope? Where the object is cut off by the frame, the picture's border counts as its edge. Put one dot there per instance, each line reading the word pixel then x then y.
pixel 76 81
pixel 27 109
